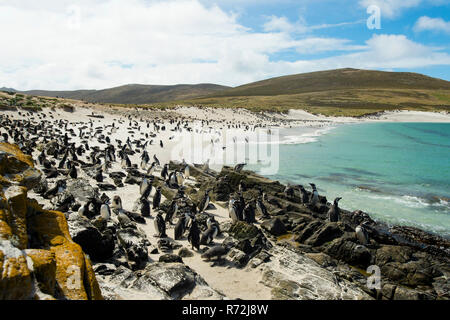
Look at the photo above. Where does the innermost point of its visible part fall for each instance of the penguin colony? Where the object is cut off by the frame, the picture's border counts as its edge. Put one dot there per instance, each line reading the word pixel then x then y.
pixel 97 152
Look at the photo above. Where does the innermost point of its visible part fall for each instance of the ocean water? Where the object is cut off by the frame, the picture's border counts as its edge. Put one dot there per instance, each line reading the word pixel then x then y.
pixel 399 173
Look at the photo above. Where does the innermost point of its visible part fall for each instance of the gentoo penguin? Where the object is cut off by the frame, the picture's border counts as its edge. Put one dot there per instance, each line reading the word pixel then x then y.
pixel 160 226
pixel 145 207
pixel 157 198
pixel 194 235
pixel 314 196
pixel 105 212
pixel 180 227
pixel 361 234
pixel 334 212
pixel 262 208
pixel 204 203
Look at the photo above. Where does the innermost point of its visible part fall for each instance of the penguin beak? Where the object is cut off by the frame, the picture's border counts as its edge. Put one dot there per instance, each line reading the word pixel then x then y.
pixel 338 199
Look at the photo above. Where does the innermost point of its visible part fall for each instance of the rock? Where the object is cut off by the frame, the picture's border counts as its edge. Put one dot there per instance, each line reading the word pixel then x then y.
pixel 350 252
pixel 238 257
pixel 106 187
pixel 105 269
pixel 242 230
pixel 274 226
pixel 308 231
pixel 135 245
pixel 170 258
pixel 185 253
pixel 160 281
pixel 44 269
pixel 80 189
pixel 325 234
pixel 322 259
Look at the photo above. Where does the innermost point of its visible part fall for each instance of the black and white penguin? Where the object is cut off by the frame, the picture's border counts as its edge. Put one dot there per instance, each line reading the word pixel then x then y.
pixel 334 212
pixel 99 176
pixel 249 213
pixel 73 171
pixel 171 212
pixel 361 234
pixel 233 210
pixel 145 207
pixel 145 188
pixel 204 203
pixel 262 208
pixel 180 227
pixel 208 236
pixel 289 192
pixel 160 226
pixel 215 252
pixel 314 196
pixel 105 212
pixel 151 169
pixel 194 235
pixel 156 160
pixel 304 194
pixel 239 167
pixel 165 171
pixel 157 198
pixel 187 172
pixel 116 203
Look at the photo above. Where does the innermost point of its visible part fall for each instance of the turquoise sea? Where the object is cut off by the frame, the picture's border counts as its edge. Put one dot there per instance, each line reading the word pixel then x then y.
pixel 399 173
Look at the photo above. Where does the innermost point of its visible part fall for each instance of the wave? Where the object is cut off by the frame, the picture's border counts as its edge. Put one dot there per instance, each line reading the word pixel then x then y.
pixel 414 201
pixel 304 138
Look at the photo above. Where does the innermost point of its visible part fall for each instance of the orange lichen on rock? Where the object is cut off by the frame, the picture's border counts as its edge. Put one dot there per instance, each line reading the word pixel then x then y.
pixel 38 258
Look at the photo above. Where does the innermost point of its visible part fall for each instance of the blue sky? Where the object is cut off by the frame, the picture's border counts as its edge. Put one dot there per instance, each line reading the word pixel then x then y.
pixel 78 44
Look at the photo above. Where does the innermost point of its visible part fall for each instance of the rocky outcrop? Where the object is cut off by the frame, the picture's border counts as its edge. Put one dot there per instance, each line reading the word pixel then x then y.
pixel 159 281
pixel 38 258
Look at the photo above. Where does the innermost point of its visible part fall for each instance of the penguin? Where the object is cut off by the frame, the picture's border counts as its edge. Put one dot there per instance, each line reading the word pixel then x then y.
pixel 215 252
pixel 99 176
pixel 262 208
pixel 161 143
pixel 160 226
pixel 194 235
pixel 145 207
pixel 116 203
pixel 145 188
pixel 157 198
pixel 204 203
pixel 334 212
pixel 239 167
pixel 156 160
pixel 208 236
pixel 304 194
pixel 165 171
pixel 249 213
pixel 73 172
pixel 187 172
pixel 151 169
pixel 314 196
pixel 289 192
pixel 180 178
pixel 361 234
pixel 233 210
pixel 172 211
pixel 180 227
pixel 105 212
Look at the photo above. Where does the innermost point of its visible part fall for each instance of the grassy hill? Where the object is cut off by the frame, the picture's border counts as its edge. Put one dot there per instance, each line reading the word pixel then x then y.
pixel 135 93
pixel 349 92
pixel 342 92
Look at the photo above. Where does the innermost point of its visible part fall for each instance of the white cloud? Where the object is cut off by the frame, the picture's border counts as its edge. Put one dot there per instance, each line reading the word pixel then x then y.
pixel 390 8
pixel 433 24
pixel 168 42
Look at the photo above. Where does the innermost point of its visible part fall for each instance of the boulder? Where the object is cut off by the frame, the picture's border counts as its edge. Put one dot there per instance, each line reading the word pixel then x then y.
pixel 170 258
pixel 274 227
pixel 326 233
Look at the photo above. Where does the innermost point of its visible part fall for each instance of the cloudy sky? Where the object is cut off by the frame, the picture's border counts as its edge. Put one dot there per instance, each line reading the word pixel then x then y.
pixel 96 44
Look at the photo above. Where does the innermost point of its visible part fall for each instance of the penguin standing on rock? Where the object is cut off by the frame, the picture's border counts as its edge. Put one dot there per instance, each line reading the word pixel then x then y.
pixel 314 196
pixel 262 208
pixel 204 203
pixel 334 212
pixel 304 194
pixel 105 212
pixel 361 234
pixel 180 227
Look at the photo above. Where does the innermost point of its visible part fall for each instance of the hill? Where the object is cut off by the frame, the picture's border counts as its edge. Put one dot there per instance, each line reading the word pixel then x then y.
pixel 135 93
pixel 351 92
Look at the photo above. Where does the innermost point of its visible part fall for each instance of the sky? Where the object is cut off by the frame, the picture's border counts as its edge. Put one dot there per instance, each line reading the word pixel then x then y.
pixel 97 44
